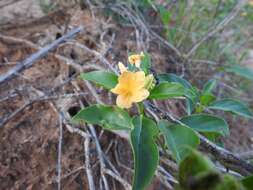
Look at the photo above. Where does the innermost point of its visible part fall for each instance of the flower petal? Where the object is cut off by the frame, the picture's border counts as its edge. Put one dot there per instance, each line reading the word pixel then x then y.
pixel 139 80
pixel 138 63
pixel 132 59
pixel 117 89
pixel 124 101
pixel 136 59
pixel 122 67
pixel 126 77
pixel 140 95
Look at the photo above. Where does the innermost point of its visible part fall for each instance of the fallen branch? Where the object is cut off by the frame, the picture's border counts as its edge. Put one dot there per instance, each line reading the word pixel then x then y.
pixel 8 3
pixel 227 158
pixel 87 164
pixel 59 167
pixel 41 53
pixel 247 155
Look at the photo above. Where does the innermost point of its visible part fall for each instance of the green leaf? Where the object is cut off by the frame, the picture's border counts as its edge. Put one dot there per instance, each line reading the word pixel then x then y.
pixel 191 92
pixel 146 63
pixel 206 99
pixel 248 182
pixel 108 117
pixel 198 172
pixel 190 106
pixel 212 137
pixel 241 71
pixel 229 183
pixel 165 15
pixel 167 90
pixel 146 154
pixel 170 77
pixel 103 78
pixel 233 106
pixel 209 86
pixel 178 139
pixel 206 123
pixel 196 168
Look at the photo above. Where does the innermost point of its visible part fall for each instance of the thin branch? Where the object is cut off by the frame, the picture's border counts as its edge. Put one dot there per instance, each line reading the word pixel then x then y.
pixel 169 176
pixel 224 170
pixel 39 54
pixel 226 158
pixel 76 130
pixel 72 172
pixel 35 46
pixel 100 155
pixel 13 114
pixel 139 21
pixel 87 163
pixel 8 3
pixel 247 155
pixel 95 53
pixel 59 154
pixel 126 185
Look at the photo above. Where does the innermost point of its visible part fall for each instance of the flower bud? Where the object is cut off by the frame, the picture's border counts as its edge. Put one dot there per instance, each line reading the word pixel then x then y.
pixel 149 82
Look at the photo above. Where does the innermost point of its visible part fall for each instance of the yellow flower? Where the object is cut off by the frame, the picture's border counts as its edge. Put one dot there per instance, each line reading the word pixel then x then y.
pixel 251 2
pixel 136 59
pixel 244 14
pixel 130 88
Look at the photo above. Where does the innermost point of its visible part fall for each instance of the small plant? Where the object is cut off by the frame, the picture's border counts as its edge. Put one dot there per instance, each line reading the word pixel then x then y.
pixel 135 85
pixel 198 172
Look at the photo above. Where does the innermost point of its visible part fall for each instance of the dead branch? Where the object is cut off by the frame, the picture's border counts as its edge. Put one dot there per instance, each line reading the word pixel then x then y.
pixel 95 53
pixel 59 153
pixel 139 22
pixel 41 53
pixel 35 46
pixel 247 155
pixel 7 3
pixel 87 163
pixel 125 184
pixel 226 158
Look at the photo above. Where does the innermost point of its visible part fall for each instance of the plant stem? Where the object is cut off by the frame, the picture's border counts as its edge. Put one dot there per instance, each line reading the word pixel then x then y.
pixel 140 108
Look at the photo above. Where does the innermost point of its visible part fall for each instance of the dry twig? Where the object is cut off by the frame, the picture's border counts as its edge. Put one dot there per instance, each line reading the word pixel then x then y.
pixel 87 163
pixel 59 153
pixel 247 155
pixel 39 54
